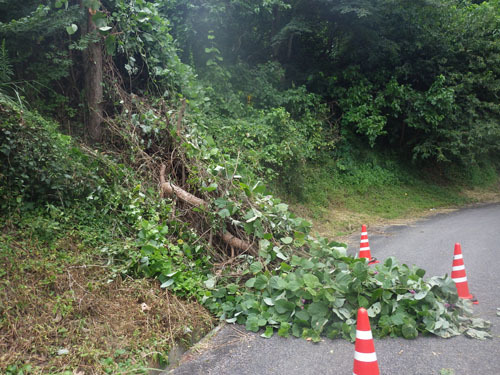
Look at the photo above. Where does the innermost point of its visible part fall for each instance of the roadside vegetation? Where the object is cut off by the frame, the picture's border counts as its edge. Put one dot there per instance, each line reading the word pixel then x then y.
pixel 158 157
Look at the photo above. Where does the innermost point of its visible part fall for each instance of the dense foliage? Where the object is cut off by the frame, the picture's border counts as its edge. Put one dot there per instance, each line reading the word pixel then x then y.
pixel 420 78
pixel 227 94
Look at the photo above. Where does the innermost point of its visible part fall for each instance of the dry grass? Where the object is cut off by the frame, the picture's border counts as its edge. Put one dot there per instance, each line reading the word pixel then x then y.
pixel 47 305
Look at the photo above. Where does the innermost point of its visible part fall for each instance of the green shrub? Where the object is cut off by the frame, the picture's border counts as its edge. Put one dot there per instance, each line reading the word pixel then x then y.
pixel 37 163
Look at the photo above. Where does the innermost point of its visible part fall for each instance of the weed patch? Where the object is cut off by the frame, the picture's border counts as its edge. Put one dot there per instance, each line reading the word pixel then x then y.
pixel 60 312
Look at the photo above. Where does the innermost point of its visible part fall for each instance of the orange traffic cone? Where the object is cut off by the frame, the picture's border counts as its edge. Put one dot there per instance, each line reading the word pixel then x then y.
pixel 459 277
pixel 365 358
pixel 364 247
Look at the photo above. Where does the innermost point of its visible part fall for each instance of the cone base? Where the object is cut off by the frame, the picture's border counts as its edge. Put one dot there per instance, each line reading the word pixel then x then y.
pixel 366 368
pixel 471 297
pixel 373 261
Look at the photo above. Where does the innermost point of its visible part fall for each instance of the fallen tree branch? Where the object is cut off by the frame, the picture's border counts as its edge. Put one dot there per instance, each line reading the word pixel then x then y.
pixel 235 241
pixel 173 190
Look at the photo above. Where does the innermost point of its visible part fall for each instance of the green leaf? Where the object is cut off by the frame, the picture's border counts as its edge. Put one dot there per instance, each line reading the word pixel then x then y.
pixel 363 301
pixel 283 306
pixel 293 285
pixel 420 272
pixel 284 329
pixel 110 44
pixel 285 267
pixel 303 315
pixel 256 267
pixel 167 283
pixel 318 323
pixel 252 323
pixel 374 310
pixel 260 282
pixel 287 240
pixel 210 283
pixel 317 308
pixel 100 19
pixel 268 333
pixel 409 331
pixel 398 318
pixel 250 282
pixel 282 207
pixel 224 213
pixel 477 334
pixel 71 29
pixel 311 280
pixel 268 301
pixel 276 282
pixel 420 295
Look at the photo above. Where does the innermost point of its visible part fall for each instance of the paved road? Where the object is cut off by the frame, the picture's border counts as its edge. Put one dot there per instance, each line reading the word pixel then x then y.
pixel 428 244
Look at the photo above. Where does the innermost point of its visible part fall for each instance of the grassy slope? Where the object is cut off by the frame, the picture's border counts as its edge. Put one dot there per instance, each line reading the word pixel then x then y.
pixel 65 305
pixel 347 208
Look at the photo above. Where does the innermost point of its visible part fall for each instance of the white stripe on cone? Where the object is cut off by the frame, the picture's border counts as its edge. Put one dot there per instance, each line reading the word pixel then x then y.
pixel 364 248
pixel 458 268
pixel 364 233
pixel 365 357
pixel 459 256
pixel 364 335
pixel 460 279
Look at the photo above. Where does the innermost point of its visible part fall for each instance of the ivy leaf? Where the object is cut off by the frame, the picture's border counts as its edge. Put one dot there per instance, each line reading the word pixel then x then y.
pixel 110 44
pixel 287 240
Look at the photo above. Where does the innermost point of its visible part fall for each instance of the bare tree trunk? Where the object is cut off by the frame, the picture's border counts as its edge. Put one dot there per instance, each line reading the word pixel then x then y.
pixel 92 62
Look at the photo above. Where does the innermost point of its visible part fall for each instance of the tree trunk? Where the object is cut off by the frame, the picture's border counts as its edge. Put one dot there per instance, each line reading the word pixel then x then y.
pixel 92 62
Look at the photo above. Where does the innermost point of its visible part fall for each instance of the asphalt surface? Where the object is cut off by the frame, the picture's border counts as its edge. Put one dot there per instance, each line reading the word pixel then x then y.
pixel 428 244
